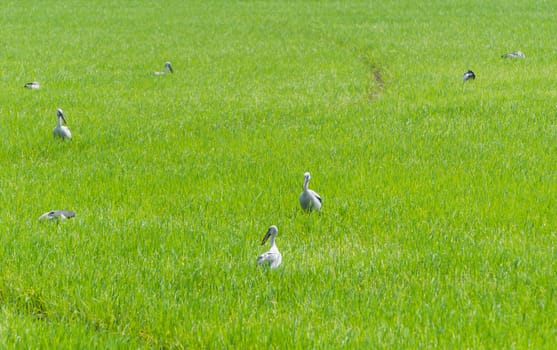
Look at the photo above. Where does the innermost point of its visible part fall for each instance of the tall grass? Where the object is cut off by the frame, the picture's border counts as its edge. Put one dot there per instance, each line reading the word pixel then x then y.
pixel 438 226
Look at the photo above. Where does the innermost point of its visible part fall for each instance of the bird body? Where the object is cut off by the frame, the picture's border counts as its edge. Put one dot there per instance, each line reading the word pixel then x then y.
pixel 34 85
pixel 57 214
pixel 167 69
pixel 61 130
pixel 272 257
pixel 469 75
pixel 516 54
pixel 309 199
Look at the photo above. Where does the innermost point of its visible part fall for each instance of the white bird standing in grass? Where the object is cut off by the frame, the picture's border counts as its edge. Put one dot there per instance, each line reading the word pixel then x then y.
pixel 57 214
pixel 167 69
pixel 271 258
pixel 61 130
pixel 309 199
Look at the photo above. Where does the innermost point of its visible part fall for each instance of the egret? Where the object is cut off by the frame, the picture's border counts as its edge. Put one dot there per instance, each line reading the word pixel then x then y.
pixel 167 69
pixel 272 257
pixel 61 130
pixel 468 75
pixel 34 85
pixel 309 199
pixel 57 214
pixel 516 54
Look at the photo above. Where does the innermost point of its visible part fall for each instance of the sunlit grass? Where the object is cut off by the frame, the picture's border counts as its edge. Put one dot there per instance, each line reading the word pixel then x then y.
pixel 438 226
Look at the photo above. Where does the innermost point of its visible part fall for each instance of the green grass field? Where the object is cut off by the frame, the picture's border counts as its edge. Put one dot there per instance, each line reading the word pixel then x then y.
pixel 439 223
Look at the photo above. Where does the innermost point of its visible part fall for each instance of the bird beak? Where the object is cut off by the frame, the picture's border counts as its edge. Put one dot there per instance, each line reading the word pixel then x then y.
pixel 170 69
pixel 64 119
pixel 267 235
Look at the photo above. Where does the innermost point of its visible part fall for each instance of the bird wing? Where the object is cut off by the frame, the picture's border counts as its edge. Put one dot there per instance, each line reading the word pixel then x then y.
pixel 67 214
pixel 316 196
pixel 67 132
pixel 49 215
pixel 269 257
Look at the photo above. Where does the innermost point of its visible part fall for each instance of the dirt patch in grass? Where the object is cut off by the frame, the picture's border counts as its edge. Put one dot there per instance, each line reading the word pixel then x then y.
pixel 375 78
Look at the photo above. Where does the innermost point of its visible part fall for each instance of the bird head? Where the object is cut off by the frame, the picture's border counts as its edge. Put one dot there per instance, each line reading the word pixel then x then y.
pixel 270 232
pixel 60 114
pixel 168 66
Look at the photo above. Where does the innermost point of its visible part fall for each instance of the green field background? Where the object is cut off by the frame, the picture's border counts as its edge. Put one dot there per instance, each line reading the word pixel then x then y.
pixel 438 227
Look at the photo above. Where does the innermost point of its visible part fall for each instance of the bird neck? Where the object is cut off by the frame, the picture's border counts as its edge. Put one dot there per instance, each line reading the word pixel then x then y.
pixel 59 122
pixel 306 183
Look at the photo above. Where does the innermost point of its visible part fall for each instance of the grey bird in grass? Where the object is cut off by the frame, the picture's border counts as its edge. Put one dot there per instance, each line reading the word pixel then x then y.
pixel 34 85
pixel 167 69
pixel 309 199
pixel 61 130
pixel 57 214
pixel 516 54
pixel 272 257
pixel 469 75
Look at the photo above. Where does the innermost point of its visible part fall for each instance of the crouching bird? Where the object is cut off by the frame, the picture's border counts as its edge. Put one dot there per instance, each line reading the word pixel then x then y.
pixel 57 215
pixel 34 85
pixel 469 75
pixel 167 69
pixel 516 54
